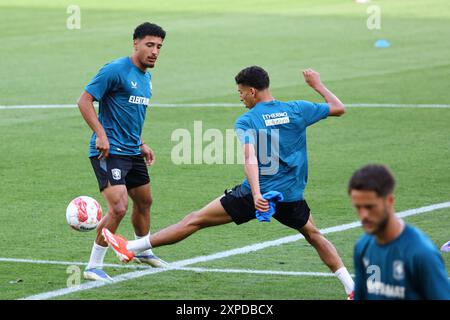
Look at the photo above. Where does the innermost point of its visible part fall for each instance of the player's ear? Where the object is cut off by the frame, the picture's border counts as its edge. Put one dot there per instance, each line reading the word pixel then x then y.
pixel 390 200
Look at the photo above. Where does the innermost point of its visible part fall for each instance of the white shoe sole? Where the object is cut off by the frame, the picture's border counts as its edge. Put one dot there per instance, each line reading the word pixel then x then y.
pixel 155 263
pixel 94 277
pixel 123 258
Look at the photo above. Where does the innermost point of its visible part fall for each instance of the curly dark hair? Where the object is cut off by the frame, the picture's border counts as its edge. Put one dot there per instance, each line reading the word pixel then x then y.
pixel 373 177
pixel 254 76
pixel 148 29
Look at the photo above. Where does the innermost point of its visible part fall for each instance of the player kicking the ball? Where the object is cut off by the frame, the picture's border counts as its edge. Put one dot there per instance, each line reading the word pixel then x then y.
pixel 117 152
pixel 283 124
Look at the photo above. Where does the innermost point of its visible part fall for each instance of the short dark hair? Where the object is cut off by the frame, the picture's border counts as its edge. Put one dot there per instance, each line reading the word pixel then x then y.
pixel 373 177
pixel 148 29
pixel 254 76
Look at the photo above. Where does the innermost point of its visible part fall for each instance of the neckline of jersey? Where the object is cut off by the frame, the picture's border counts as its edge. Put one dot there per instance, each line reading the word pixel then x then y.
pixel 392 241
pixel 266 102
pixel 134 66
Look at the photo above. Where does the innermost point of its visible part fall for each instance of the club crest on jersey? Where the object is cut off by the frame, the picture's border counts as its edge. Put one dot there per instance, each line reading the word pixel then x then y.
pixel 366 262
pixel 116 174
pixel 399 270
pixel 133 85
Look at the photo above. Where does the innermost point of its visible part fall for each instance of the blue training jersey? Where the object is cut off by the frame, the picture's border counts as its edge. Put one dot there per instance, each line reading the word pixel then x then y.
pixel 409 267
pixel 278 131
pixel 123 92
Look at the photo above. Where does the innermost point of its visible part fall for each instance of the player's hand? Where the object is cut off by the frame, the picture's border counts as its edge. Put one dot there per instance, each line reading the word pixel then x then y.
pixel 148 154
pixel 102 145
pixel 312 78
pixel 261 204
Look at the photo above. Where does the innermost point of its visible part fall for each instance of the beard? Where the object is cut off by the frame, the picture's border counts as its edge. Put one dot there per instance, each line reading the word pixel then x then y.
pixel 381 226
pixel 148 64
pixel 145 62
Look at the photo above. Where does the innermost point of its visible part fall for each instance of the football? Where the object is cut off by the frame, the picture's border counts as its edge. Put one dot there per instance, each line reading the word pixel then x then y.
pixel 83 213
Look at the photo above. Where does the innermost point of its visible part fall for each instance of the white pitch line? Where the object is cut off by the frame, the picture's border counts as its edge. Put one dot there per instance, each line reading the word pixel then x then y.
pixel 392 105
pixel 125 266
pixel 70 263
pixel 193 269
pixel 267 272
pixel 224 104
pixel 43 106
pixel 223 254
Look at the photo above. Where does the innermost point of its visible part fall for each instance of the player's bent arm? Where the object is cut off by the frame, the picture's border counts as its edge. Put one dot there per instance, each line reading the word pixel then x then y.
pixel 251 168
pixel 337 108
pixel 252 173
pixel 312 78
pixel 86 106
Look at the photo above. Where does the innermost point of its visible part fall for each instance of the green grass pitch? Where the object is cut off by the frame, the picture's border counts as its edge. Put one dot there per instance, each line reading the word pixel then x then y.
pixel 43 152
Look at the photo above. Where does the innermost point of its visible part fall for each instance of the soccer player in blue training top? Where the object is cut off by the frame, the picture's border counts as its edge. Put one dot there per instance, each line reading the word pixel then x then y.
pixel 269 121
pixel 393 260
pixel 117 151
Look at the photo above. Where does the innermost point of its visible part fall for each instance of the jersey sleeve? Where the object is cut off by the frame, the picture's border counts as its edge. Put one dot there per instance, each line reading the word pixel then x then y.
pixel 244 131
pixel 359 274
pixel 313 112
pixel 432 275
pixel 105 80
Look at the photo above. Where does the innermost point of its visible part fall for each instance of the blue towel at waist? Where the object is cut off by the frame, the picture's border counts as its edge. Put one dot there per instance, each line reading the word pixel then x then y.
pixel 273 197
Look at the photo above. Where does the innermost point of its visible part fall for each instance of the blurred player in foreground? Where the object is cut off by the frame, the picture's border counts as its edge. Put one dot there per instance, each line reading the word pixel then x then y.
pixel 393 260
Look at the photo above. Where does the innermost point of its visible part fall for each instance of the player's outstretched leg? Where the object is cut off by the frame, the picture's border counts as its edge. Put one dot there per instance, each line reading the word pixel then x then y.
pixel 328 254
pixel 211 215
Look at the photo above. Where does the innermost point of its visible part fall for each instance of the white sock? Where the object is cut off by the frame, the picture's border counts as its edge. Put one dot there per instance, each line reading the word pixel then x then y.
pixel 141 245
pixel 346 279
pixel 97 255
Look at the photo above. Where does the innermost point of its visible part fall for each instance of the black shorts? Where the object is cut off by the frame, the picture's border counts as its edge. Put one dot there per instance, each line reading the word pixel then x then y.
pixel 128 170
pixel 239 205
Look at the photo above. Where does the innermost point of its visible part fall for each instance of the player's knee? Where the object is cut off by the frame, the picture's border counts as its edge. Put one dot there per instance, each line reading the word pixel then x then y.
pixel 147 202
pixel 314 237
pixel 118 210
pixel 195 220
pixel 144 204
